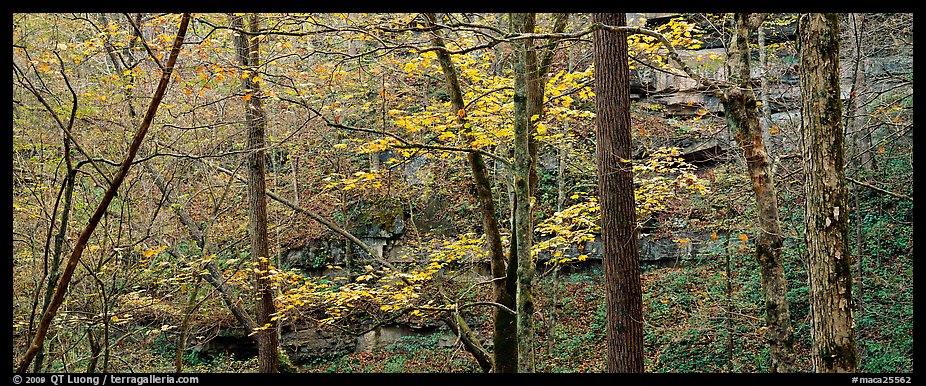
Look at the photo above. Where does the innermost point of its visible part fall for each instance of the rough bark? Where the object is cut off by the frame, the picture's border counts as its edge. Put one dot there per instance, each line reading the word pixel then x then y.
pixel 81 244
pixel 623 290
pixel 826 198
pixel 525 62
pixel 742 115
pixel 249 56
pixel 505 333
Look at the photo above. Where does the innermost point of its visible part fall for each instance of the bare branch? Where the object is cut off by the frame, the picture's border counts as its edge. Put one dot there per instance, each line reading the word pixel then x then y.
pixel 882 190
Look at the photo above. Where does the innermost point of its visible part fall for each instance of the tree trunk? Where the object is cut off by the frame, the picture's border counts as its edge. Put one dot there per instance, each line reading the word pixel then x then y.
pixel 743 119
pixel 826 199
pixel 623 290
pixel 81 244
pixel 505 352
pixel 249 56
pixel 525 63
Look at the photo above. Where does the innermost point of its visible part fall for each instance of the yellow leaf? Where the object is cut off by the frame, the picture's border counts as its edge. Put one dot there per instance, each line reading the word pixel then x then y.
pixel 743 237
pixel 541 129
pixel 368 267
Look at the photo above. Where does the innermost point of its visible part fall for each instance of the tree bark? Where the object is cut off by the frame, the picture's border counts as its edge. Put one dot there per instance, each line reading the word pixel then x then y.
pixel 84 237
pixel 623 290
pixel 742 115
pixel 525 63
pixel 249 56
pixel 505 352
pixel 826 198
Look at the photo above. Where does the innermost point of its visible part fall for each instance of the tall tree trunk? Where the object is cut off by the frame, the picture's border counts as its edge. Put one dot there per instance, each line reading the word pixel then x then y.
pixel 826 199
pixel 525 66
pixel 248 47
pixel 623 290
pixel 743 119
pixel 81 244
pixel 505 352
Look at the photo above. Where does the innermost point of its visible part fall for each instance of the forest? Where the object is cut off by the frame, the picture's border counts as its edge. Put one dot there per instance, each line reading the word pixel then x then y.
pixel 462 193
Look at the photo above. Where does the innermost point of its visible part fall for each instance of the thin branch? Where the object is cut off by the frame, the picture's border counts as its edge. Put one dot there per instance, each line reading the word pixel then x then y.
pixel 493 304
pixel 144 43
pixel 882 190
